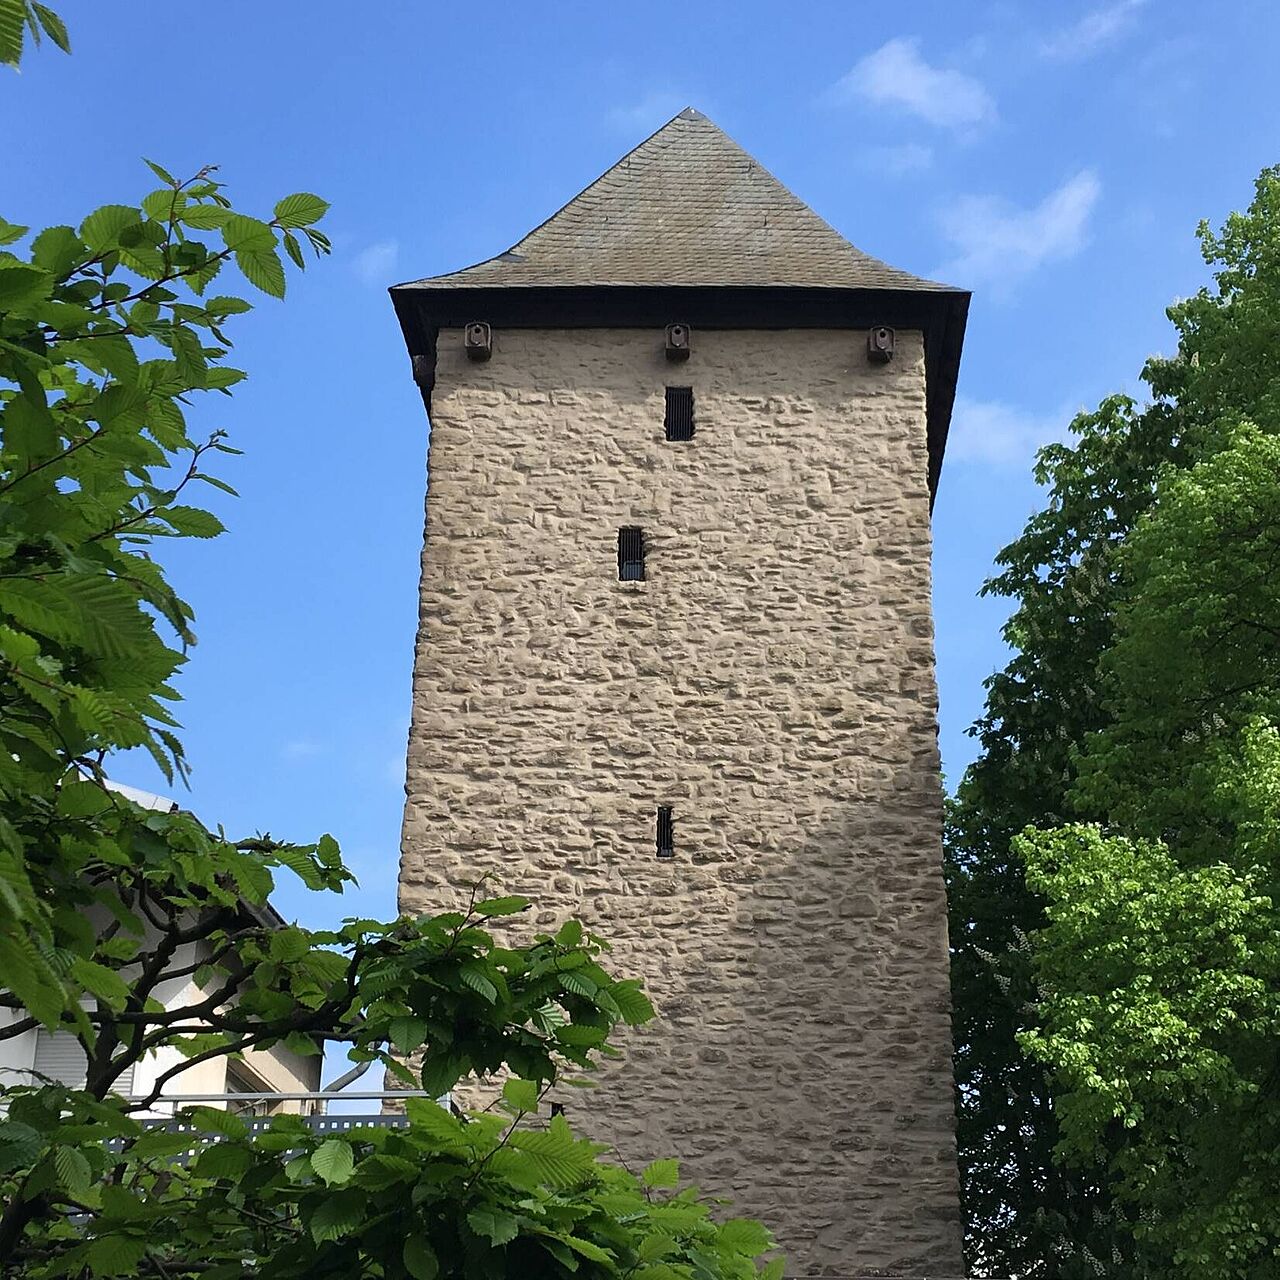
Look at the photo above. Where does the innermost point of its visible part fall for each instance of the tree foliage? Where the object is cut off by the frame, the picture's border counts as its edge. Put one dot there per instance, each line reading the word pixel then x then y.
pixel 110 331
pixel 20 18
pixel 1070 706
pixel 1160 959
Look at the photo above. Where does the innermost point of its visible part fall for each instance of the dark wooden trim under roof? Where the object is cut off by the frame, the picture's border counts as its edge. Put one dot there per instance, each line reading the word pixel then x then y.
pixel 940 314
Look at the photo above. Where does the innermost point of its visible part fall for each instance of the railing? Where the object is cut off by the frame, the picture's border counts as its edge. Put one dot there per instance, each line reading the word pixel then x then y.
pixel 313 1107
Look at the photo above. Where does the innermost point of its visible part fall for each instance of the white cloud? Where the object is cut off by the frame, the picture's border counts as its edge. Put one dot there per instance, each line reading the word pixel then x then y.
pixel 1097 28
pixel 990 433
pixel 997 243
pixel 898 162
pixel 895 75
pixel 649 112
pixel 376 264
pixel 302 749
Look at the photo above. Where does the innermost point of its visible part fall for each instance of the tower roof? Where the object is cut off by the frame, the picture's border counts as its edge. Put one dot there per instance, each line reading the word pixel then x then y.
pixel 688 206
pixel 689 228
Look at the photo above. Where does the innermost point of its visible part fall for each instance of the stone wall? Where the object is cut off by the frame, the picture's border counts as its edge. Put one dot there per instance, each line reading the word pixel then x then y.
pixel 772 680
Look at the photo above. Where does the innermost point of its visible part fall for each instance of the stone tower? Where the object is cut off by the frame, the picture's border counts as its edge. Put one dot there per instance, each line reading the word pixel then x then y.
pixel 675 673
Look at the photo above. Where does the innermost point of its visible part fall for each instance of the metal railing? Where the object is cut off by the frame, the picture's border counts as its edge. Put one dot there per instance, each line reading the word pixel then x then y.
pixel 313 1107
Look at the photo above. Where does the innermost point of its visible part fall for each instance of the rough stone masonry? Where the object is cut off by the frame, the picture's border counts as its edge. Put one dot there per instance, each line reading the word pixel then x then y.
pixel 772 681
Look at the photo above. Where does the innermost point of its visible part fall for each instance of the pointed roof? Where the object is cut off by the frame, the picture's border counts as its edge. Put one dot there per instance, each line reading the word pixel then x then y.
pixel 689 228
pixel 687 207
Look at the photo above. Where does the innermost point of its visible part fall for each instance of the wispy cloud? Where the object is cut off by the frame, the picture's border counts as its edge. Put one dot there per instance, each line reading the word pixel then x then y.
pixel 649 112
pixel 993 434
pixel 302 749
pixel 895 75
pixel 899 162
pixel 1096 29
pixel 997 243
pixel 376 263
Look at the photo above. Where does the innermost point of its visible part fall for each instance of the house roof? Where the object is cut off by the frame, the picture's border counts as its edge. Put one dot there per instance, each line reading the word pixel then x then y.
pixel 689 228
pixel 688 206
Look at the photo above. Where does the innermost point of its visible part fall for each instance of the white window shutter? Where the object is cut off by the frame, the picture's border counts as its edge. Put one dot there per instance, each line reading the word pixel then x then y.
pixel 60 1058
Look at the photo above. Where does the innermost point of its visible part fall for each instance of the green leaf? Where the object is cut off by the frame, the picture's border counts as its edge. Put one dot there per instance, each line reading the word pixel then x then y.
pixel 215 1120
pixel 242 232
pixel 98 980
pixel 420 1260
pixel 72 1169
pixel 101 229
pixel 204 217
pixel 163 174
pixel 92 611
pixel 655 1246
pixel 56 250
pixel 521 1094
pixel 338 1213
pixel 407 1034
pixel 301 1044
pixel 333 1161
pixel 294 250
pixel 160 1144
pixel 263 269
pixel 163 204
pixel 580 1036
pixel 562 1253
pixel 13 26
pixel 434 1121
pixel 289 944
pixel 379 1172
pixel 20 1146
pixel 10 231
pixel 200 278
pixel 299 862
pixel 22 285
pixel 53 26
pixel 227 306
pixel 121 1204
pixel 493 1225
pixel 193 522
pixel 115 353
pixel 300 210
pixel 220 377
pixel 502 906
pixel 631 1000
pixel 579 985
pixel 30 978
pixel 744 1235
pixel 473 976
pixel 558 1160
pixel 116 1255
pixel 570 934
pixel 84 799
pixel 589 1250
pixel 661 1173
pixel 223 1160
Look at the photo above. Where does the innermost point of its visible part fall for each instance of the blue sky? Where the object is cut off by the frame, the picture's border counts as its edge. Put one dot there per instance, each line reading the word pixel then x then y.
pixel 1053 158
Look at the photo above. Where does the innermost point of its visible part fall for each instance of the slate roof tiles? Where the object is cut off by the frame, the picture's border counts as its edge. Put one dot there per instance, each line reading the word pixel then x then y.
pixel 687 207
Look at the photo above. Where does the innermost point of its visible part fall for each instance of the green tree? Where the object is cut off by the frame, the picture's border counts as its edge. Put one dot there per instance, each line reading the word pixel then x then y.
pixel 109 332
pixel 1159 963
pixel 1027 1213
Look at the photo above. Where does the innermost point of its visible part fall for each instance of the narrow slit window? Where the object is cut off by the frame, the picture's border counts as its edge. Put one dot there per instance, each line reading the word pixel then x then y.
pixel 631 553
pixel 679 421
pixel 666 832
